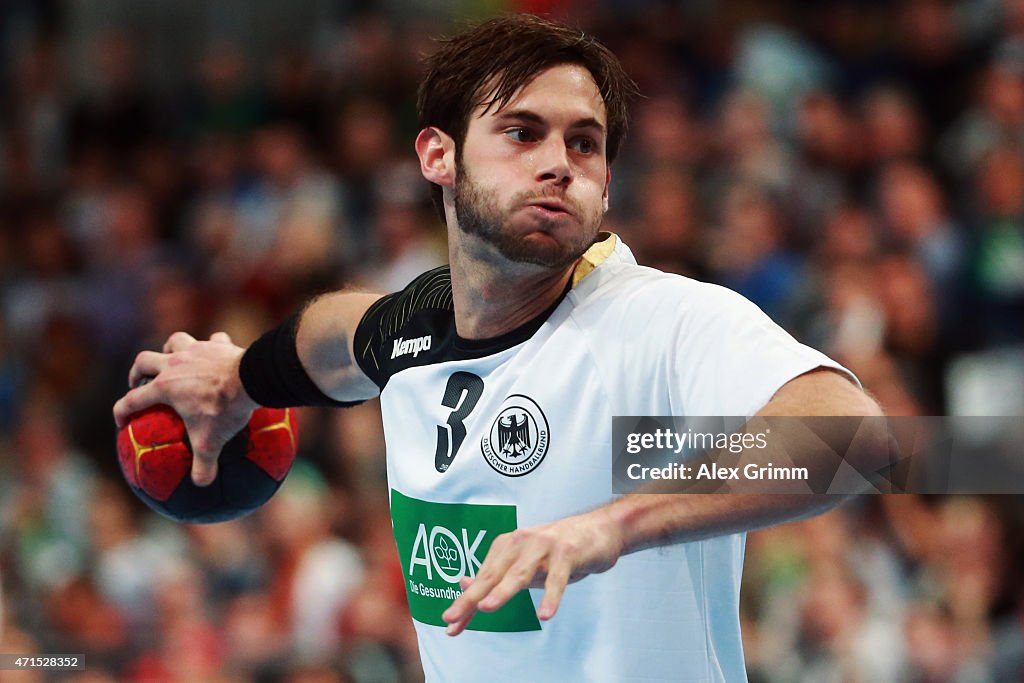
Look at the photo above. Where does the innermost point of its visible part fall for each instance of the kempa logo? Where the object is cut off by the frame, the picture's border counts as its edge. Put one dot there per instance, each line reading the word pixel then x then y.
pixel 413 346
pixel 451 555
pixel 518 439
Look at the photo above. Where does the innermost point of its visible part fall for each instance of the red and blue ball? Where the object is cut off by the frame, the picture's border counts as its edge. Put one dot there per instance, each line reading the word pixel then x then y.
pixel 156 460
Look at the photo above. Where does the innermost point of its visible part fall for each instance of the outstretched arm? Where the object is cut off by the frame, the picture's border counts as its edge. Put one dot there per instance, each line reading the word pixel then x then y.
pixel 555 554
pixel 200 379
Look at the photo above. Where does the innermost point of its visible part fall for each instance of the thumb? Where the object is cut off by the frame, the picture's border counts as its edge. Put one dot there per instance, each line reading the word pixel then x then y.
pixel 204 470
pixel 204 461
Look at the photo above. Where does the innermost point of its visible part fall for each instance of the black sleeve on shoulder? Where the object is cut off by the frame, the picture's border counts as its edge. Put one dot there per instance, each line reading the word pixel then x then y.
pixel 387 318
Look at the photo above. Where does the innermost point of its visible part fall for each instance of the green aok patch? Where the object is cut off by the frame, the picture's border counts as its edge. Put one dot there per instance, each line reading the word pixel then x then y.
pixel 438 544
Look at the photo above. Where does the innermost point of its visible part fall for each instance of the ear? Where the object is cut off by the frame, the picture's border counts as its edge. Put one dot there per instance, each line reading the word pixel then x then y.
pixel 436 150
pixel 607 183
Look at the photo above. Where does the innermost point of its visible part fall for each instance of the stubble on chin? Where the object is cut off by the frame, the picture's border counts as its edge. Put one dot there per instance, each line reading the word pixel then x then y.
pixel 479 215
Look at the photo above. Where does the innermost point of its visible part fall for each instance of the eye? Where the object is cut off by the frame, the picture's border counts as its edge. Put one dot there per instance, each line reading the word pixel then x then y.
pixel 583 144
pixel 520 134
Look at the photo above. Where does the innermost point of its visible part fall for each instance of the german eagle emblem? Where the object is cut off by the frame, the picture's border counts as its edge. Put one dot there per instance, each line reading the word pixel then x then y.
pixel 514 435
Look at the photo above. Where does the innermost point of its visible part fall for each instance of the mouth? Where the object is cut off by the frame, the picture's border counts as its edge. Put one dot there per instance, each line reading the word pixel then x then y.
pixel 551 207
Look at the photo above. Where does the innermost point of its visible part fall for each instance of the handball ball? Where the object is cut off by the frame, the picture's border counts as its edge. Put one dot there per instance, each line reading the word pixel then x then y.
pixel 156 461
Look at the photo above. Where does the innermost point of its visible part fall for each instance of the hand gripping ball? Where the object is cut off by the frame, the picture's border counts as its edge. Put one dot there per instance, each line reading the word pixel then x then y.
pixel 156 461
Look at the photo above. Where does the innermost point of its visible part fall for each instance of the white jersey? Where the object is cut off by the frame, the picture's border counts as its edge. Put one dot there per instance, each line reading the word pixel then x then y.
pixel 487 436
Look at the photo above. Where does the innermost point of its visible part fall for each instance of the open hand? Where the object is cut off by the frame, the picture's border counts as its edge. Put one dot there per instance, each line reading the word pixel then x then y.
pixel 548 556
pixel 199 380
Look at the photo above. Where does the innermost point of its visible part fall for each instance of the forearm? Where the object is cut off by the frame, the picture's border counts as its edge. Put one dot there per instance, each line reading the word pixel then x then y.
pixel 652 520
pixel 325 342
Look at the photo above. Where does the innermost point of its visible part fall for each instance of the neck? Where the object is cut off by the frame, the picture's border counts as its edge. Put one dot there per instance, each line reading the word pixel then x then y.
pixel 493 298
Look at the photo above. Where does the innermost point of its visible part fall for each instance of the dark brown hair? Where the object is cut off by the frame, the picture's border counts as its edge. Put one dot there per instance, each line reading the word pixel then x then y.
pixel 487 64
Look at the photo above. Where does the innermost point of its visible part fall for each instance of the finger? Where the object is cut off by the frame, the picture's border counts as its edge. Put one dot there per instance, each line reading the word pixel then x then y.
pixel 458 626
pixel 554 588
pixel 147 364
pixel 204 460
pixel 221 337
pixel 473 593
pixel 516 579
pixel 134 401
pixel 460 612
pixel 179 341
pixel 204 471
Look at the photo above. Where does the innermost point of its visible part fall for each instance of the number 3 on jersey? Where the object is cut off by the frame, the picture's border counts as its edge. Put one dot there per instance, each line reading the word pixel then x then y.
pixel 461 394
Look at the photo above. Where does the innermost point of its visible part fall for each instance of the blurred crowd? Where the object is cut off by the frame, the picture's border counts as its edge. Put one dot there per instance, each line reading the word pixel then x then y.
pixel 856 169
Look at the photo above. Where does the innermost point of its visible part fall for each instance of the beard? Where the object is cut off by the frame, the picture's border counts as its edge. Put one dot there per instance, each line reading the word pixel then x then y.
pixel 478 214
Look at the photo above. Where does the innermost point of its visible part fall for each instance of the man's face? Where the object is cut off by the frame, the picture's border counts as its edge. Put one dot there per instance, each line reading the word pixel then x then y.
pixel 532 178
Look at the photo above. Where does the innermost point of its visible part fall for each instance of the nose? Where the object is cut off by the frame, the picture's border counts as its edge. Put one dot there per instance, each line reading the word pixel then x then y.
pixel 553 162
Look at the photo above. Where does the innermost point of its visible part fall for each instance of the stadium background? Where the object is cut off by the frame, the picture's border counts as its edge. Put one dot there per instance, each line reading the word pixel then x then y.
pixel 854 168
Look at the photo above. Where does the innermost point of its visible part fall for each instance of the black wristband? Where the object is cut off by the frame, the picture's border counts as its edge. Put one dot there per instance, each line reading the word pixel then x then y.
pixel 273 376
